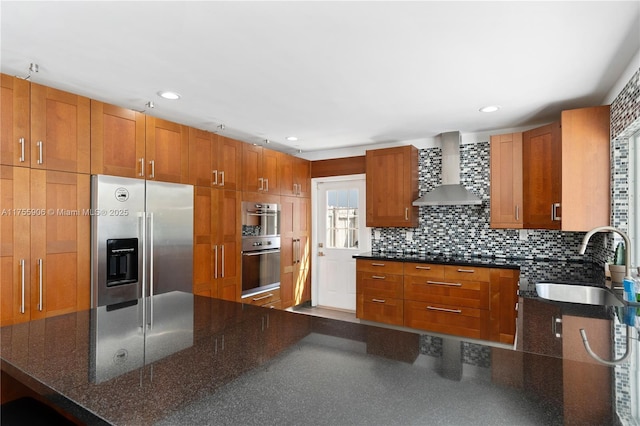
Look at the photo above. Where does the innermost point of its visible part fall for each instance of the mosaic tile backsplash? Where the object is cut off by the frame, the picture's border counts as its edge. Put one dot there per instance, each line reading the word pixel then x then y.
pixel 465 230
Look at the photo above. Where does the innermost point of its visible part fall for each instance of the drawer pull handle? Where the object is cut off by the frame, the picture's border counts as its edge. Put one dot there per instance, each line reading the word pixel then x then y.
pixel 424 268
pixel 468 271
pixel 255 299
pixel 453 311
pixel 444 283
pixel 378 277
pixel 377 264
pixel 378 300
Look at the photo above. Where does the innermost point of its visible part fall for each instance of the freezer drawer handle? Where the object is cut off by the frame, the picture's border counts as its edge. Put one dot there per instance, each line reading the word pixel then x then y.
pixel 453 311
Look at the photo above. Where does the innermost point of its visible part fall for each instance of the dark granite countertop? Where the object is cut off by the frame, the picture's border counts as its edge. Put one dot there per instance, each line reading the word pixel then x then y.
pixel 204 361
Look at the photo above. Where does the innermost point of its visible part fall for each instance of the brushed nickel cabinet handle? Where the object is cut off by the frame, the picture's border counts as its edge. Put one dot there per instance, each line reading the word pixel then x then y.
pixel 221 177
pixel 39 145
pixel 453 311
pixel 444 283
pixel 22 286
pixel 378 277
pixel 222 247
pixel 266 185
pixel 406 213
pixel 255 299
pixel 215 262
pixel 555 322
pixel 21 142
pixel 215 179
pixel 141 174
pixel 554 212
pixel 517 212
pixel 424 268
pixel 467 271
pixel 377 264
pixel 379 300
pixel 152 163
pixel 261 188
pixel 40 272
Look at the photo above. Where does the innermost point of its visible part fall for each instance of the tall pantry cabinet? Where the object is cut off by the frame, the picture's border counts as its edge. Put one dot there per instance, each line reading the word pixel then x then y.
pixel 45 183
pixel 215 164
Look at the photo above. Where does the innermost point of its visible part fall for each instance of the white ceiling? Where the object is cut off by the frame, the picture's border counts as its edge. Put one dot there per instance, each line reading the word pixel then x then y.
pixel 334 74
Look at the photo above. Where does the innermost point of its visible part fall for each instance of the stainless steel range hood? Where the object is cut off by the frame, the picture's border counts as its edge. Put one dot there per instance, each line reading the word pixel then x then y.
pixel 451 192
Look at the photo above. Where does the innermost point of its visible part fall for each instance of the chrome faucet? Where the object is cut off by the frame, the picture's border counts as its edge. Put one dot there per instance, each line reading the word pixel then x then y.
pixel 627 245
pixel 630 330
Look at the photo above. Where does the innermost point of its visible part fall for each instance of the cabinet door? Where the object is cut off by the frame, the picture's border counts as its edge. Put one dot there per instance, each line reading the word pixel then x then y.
pixel 392 186
pixel 270 165
pixel 117 141
pixel 586 168
pixel 203 276
pixel 542 160
pixel 60 130
pixel 506 181
pixel 229 244
pixel 14 245
pixel 15 132
pixel 202 150
pixel 228 163
pixel 167 149
pixel 60 243
pixel 302 176
pixel 286 176
pixel 253 180
pixel 503 299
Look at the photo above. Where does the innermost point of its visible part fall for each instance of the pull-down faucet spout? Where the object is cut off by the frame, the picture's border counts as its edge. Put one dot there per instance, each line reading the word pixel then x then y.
pixel 627 245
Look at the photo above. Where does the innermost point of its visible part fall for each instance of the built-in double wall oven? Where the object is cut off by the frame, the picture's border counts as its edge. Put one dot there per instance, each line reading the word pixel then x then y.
pixel 260 247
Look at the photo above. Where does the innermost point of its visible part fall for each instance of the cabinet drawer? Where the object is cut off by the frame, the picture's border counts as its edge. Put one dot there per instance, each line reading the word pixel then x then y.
pixel 471 294
pixel 379 285
pixel 469 273
pixel 389 311
pixel 379 266
pixel 460 321
pixel 424 270
pixel 263 298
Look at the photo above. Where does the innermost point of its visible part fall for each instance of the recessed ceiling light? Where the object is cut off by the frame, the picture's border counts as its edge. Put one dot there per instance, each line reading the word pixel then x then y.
pixel 169 95
pixel 292 138
pixel 490 108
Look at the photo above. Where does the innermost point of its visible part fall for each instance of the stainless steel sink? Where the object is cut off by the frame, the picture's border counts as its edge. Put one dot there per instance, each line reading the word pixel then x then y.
pixel 576 293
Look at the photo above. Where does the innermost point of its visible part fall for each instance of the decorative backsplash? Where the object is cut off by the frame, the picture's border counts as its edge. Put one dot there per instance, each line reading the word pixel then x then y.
pixel 465 230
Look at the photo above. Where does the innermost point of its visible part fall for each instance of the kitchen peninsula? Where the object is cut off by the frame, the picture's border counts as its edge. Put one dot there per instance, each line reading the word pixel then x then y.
pixel 247 364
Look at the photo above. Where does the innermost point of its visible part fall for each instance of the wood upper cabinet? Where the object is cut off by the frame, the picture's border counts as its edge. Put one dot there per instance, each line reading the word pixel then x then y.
pixel 15 133
pixel 295 176
pixel 117 141
pixel 214 160
pixel 49 247
pixel 261 169
pixel 506 181
pixel 227 163
pixel 566 172
pixel 60 130
pixel 542 162
pixel 167 151
pixel 392 186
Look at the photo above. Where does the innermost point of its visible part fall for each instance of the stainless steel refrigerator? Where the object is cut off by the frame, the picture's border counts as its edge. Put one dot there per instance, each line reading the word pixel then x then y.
pixel 142 273
pixel 142 238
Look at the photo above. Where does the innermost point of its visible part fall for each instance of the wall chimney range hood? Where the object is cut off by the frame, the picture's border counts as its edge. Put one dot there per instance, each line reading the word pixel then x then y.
pixel 451 192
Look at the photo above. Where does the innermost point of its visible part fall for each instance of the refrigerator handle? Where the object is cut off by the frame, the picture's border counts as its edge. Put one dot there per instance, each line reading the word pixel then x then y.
pixel 143 238
pixel 151 254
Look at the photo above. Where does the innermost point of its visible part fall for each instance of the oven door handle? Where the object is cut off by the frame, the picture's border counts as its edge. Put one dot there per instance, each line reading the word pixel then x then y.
pixel 254 213
pixel 259 252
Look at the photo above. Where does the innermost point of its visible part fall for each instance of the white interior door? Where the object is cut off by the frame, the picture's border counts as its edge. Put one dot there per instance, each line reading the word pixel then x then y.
pixel 340 233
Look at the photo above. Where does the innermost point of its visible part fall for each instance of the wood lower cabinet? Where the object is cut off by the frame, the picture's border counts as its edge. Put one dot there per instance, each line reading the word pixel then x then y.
pixel 15 133
pixel 217 244
pixel 45 243
pixel 60 130
pixel 468 301
pixel 506 181
pixel 117 141
pixel 295 250
pixel 379 291
pixel 392 186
